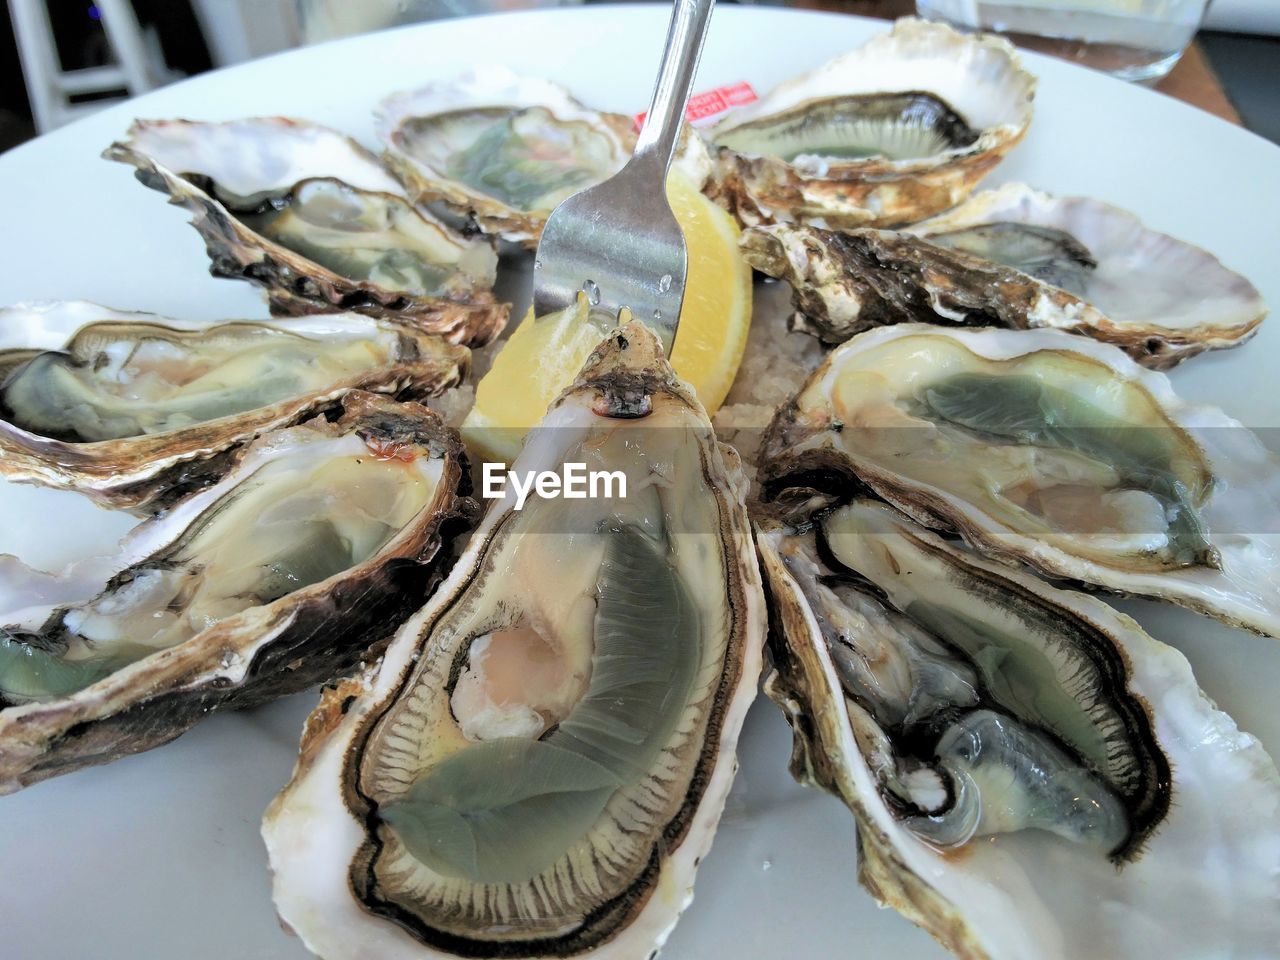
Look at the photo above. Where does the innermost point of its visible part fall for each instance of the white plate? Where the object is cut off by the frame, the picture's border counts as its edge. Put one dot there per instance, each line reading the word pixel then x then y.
pixel 158 855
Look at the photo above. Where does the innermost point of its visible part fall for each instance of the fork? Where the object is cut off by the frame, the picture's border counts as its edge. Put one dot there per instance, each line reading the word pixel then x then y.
pixel 618 241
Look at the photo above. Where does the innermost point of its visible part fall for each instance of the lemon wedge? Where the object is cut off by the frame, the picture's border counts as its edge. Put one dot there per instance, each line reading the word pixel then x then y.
pixel 543 356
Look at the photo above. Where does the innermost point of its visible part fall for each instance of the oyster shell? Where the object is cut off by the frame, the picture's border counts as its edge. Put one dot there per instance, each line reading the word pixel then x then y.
pixel 501 151
pixel 133 409
pixel 286 573
pixel 1050 449
pixel 1014 257
pixel 311 216
pixel 897 130
pixel 1032 775
pixel 540 762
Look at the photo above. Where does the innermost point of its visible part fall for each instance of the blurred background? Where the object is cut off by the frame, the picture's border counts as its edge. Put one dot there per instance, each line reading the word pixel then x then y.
pixel 61 58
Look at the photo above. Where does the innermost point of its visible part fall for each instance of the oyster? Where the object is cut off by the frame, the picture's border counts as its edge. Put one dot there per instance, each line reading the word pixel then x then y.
pixel 286 573
pixel 1050 449
pixel 1014 257
pixel 540 762
pixel 1032 775
pixel 311 216
pixel 501 151
pixel 133 410
pixel 897 130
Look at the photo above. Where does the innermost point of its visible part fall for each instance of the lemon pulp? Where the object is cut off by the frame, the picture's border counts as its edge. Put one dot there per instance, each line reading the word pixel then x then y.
pixel 542 357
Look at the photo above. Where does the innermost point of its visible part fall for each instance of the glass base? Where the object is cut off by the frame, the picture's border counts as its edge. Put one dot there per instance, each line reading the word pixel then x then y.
pixel 1123 62
pixel 1152 73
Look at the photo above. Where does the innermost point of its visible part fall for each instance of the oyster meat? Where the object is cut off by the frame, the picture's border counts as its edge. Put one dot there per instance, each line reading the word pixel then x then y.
pixel 311 216
pixel 133 410
pixel 287 573
pixel 1015 257
pixel 538 765
pixel 1032 775
pixel 501 151
pixel 897 130
pixel 1050 449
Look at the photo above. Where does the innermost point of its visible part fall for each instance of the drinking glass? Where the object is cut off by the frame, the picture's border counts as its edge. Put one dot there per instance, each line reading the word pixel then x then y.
pixel 1136 40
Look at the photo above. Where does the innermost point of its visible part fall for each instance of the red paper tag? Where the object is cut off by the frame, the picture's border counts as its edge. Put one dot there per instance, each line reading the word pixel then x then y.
pixel 708 105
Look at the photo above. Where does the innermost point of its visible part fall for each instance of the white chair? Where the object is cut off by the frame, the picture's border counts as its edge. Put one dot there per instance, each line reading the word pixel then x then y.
pixel 139 65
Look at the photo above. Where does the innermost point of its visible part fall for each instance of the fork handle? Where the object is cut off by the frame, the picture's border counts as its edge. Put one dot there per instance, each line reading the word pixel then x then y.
pixel 661 128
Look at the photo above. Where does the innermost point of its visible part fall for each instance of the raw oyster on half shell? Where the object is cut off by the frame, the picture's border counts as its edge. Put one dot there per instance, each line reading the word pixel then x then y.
pixel 313 218
pixel 1055 450
pixel 1032 775
pixel 134 410
pixel 539 764
pixel 897 130
pixel 1015 257
pixel 293 568
pixel 500 151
